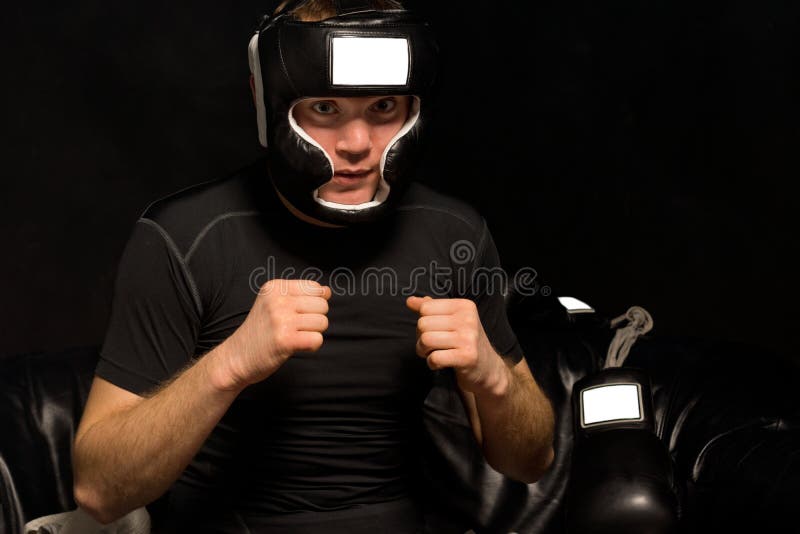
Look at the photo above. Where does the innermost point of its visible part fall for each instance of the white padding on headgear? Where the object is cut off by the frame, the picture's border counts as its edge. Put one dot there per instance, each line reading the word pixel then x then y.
pixel 255 70
pixel 382 193
pixel 369 61
pixel 302 133
pixel 410 122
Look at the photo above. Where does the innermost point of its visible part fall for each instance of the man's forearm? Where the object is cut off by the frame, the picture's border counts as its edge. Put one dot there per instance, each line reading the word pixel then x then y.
pixel 131 457
pixel 516 423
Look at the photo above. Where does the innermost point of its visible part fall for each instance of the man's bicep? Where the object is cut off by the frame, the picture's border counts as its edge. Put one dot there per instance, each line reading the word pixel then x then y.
pixel 104 400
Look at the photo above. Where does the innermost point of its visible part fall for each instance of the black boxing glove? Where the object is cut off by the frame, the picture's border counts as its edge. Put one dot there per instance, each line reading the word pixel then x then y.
pixel 621 477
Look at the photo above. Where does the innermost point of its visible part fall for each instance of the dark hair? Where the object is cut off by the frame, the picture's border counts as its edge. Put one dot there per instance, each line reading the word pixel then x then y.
pixel 325 9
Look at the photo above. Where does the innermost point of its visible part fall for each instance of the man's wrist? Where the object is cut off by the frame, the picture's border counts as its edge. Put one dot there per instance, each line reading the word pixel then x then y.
pixel 219 370
pixel 495 384
pixel 500 384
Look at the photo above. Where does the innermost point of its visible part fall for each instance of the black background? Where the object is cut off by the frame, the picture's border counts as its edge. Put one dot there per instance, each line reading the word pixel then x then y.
pixel 633 153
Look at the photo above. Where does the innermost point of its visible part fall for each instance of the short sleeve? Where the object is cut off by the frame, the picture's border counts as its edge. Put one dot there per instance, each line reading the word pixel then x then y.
pixel 488 285
pixel 155 313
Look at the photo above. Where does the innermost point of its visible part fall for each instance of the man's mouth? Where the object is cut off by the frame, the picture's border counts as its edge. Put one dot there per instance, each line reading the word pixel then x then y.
pixel 351 177
pixel 353 174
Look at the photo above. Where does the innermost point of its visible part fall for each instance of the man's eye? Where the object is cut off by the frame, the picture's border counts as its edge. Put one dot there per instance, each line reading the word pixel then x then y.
pixel 386 105
pixel 325 108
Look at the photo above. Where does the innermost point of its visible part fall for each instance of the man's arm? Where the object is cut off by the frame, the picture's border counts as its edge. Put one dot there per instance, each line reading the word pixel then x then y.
pixel 129 449
pixel 512 423
pixel 511 417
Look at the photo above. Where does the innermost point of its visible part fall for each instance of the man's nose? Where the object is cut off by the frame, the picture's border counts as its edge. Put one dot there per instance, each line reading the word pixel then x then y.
pixel 355 138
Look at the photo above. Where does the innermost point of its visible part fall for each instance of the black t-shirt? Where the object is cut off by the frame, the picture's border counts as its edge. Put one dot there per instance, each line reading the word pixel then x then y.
pixel 332 430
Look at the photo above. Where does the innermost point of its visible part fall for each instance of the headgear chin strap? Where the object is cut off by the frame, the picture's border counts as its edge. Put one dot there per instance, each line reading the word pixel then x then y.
pixel 359 52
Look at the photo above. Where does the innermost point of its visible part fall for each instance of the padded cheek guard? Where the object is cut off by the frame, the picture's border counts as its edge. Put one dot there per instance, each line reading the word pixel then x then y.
pixel 370 53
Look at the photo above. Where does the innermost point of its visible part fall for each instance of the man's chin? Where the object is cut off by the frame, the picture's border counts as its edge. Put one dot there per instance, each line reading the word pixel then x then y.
pixel 346 197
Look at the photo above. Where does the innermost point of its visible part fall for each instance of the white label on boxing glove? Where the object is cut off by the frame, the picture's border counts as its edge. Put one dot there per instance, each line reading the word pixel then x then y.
pixel 574 305
pixel 611 402
pixel 370 61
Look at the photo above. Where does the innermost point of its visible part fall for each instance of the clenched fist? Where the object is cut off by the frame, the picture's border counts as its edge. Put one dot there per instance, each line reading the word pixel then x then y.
pixel 450 334
pixel 287 316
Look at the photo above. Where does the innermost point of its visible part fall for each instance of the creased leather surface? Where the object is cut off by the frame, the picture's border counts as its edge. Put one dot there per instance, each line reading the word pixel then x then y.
pixel 729 414
pixel 11 519
pixel 41 399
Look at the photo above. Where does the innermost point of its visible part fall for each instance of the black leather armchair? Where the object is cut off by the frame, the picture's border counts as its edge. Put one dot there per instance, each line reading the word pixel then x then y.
pixel 727 414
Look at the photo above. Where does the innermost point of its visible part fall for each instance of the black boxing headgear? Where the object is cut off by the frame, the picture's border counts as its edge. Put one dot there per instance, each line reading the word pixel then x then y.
pixel 359 52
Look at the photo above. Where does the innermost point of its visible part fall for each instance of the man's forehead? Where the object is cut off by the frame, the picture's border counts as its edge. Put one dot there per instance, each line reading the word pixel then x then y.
pixel 354 100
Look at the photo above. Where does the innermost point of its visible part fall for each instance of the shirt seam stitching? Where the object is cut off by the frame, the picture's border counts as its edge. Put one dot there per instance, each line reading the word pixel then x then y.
pixel 175 194
pixel 181 261
pixel 207 228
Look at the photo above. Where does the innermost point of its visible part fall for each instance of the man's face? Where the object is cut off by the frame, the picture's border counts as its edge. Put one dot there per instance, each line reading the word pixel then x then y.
pixel 354 131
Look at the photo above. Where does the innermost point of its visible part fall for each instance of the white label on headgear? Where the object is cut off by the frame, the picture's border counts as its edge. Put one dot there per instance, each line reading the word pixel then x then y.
pixel 613 402
pixel 369 61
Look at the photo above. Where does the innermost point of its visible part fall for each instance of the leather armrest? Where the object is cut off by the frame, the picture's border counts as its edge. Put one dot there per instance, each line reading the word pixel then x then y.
pixel 730 417
pixel 11 517
pixel 41 400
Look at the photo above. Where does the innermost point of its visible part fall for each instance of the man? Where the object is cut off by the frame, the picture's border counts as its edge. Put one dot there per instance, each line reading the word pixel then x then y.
pixel 265 401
